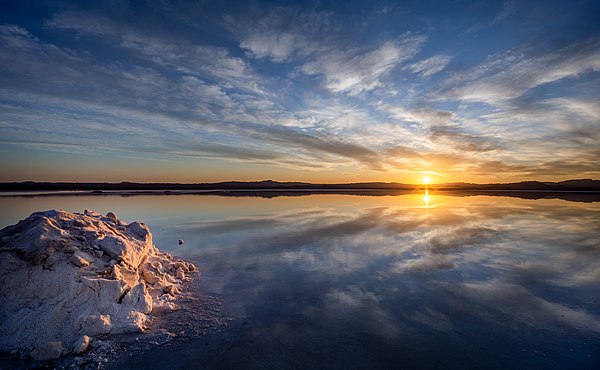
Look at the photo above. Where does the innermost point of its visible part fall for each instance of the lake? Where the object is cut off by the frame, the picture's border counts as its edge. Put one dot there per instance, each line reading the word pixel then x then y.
pixel 350 281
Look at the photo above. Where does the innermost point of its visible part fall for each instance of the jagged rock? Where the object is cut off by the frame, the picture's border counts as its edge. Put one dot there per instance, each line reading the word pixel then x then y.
pixel 113 246
pixel 94 324
pixel 81 345
pixel 48 351
pixel 79 261
pixel 139 299
pixel 87 257
pixel 111 216
pixel 65 277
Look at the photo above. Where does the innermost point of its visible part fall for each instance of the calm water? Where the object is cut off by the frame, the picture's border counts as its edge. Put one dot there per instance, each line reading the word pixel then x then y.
pixel 339 281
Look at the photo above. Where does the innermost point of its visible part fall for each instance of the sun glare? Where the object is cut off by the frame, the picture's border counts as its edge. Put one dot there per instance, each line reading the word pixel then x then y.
pixel 426 180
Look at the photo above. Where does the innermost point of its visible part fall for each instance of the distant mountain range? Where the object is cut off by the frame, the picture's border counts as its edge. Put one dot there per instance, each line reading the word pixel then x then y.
pixel 568 185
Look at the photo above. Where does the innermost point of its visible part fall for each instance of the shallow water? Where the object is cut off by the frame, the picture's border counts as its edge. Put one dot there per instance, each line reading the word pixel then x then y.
pixel 406 281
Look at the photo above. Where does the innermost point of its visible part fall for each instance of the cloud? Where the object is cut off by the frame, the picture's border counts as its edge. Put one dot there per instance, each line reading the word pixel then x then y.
pixel 80 77
pixel 364 307
pixel 424 264
pixel 430 66
pixel 499 300
pixel 115 98
pixel 182 100
pixel 216 150
pixel 181 56
pixel 423 116
pixel 508 8
pixel 461 141
pixel 481 157
pixel 305 141
pixel 509 75
pixel 353 72
pixel 312 40
pixel 525 127
pixel 285 33
pixel 587 110
pixel 278 47
pixel 462 237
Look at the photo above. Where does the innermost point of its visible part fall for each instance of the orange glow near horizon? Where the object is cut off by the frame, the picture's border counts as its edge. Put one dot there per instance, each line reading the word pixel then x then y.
pixel 60 167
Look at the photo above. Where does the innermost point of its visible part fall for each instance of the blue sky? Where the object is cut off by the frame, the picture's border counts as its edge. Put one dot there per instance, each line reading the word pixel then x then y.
pixel 303 91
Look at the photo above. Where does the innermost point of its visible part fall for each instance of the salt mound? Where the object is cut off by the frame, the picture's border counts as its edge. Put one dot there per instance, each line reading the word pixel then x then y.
pixel 66 278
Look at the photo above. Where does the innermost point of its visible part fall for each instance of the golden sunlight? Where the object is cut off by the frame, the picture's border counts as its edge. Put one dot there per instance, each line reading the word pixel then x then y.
pixel 426 197
pixel 426 180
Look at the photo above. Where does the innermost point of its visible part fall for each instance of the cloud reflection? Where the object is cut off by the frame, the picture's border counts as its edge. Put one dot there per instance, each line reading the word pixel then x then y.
pixel 491 251
pixel 385 273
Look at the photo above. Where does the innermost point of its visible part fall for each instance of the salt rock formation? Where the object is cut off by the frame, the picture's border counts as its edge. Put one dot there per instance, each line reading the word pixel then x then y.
pixel 67 278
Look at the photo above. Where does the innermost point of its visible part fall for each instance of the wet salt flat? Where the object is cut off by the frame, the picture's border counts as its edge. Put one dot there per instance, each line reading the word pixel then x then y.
pixel 406 281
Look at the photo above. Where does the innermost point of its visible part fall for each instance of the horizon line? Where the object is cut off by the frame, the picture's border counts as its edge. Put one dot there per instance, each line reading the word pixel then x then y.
pixel 288 182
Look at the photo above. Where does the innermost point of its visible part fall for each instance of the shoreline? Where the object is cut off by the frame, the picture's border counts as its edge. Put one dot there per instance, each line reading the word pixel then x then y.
pixel 569 195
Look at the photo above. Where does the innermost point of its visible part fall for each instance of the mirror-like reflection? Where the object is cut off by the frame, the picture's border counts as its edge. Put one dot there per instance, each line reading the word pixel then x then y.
pixel 426 198
pixel 421 280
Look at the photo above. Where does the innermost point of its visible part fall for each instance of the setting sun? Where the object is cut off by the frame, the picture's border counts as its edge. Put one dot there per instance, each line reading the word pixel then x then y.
pixel 426 180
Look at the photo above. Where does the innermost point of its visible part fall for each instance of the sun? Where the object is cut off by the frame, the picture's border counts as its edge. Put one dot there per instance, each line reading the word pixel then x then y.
pixel 426 180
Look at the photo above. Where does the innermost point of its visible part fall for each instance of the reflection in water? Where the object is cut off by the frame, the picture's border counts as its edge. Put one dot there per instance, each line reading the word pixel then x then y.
pixel 338 281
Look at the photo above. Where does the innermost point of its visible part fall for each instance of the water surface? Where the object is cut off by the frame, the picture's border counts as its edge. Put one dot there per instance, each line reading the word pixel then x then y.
pixel 405 281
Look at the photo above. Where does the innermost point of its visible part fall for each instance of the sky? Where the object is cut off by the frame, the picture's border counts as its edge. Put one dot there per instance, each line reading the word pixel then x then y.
pixel 317 91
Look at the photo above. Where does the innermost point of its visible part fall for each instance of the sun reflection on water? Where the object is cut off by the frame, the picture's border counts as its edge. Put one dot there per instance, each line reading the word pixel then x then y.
pixel 426 198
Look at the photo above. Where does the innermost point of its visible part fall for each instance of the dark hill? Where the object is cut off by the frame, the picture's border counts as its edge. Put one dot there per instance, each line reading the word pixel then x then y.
pixel 568 185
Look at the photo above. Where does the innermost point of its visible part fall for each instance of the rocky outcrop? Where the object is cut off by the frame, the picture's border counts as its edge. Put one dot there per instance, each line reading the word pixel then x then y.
pixel 68 278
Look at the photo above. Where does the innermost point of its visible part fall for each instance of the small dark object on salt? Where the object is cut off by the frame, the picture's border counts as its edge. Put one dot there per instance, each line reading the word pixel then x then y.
pixel 180 241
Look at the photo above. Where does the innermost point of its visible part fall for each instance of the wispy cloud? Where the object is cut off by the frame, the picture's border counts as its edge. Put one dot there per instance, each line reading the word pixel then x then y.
pixel 354 72
pixel 509 75
pixel 338 148
pixel 306 39
pixel 182 56
pixel 460 140
pixel 508 8
pixel 430 66
pixel 285 33
pixel 423 116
